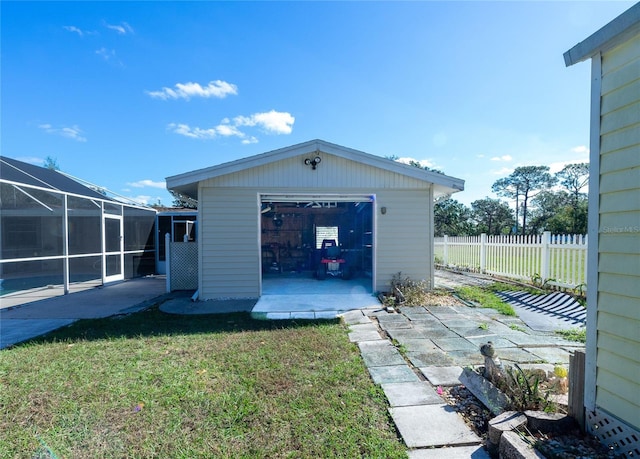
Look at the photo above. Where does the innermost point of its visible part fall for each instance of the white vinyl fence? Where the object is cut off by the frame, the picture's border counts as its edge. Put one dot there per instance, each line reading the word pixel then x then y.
pixel 559 260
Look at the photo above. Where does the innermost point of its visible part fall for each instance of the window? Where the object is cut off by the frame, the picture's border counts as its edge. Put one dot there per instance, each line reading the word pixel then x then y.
pixel 326 232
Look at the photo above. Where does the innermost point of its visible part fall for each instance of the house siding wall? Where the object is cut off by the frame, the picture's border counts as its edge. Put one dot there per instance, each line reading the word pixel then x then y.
pixel 403 240
pixel 229 238
pixel 332 172
pixel 618 362
pixel 230 228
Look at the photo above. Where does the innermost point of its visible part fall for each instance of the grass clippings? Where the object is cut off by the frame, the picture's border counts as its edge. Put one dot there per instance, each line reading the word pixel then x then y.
pixel 157 385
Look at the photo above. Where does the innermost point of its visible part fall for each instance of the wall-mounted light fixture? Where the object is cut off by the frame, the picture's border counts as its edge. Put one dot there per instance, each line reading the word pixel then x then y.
pixel 313 162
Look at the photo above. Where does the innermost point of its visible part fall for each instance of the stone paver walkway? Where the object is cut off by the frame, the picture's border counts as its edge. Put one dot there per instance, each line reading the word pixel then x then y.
pixel 437 342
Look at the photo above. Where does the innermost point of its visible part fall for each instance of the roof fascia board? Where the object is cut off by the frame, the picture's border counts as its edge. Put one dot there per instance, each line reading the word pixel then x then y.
pixel 308 147
pixel 616 31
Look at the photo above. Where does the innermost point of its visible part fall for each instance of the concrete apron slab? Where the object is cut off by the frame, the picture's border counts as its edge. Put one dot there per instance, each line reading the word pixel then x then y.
pixel 311 306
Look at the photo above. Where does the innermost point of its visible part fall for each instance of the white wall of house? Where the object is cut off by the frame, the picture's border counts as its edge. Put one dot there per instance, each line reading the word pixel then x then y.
pixel 401 245
pixel 229 219
pixel 618 266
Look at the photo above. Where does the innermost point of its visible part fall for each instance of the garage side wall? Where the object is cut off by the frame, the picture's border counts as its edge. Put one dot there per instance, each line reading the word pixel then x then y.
pixel 230 232
pixel 618 385
pixel 229 235
pixel 403 241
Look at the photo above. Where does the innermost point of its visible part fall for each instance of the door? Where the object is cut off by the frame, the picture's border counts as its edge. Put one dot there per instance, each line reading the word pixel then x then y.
pixel 113 257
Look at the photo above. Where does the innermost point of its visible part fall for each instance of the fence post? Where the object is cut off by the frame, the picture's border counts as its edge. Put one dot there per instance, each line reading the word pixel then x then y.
pixel 445 253
pixel 545 258
pixel 483 252
pixel 576 386
pixel 167 257
pixel 585 271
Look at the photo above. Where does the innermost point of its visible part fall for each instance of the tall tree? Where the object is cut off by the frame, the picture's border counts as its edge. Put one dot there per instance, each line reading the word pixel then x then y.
pixel 492 216
pixel 180 200
pixel 51 163
pixel 450 217
pixel 555 211
pixel 523 184
pixel 573 178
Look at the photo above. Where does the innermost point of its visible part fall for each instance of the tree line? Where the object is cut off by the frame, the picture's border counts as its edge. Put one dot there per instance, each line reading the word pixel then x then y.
pixel 543 202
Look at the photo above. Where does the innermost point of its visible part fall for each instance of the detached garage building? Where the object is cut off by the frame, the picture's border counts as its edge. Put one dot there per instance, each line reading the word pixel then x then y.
pixel 267 215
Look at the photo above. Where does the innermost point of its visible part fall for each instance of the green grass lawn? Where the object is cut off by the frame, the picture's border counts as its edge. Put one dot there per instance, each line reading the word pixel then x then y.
pixel 156 385
pixel 485 297
pixel 520 262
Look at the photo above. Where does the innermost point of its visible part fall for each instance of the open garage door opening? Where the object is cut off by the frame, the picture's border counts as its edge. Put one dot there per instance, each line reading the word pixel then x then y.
pixel 319 243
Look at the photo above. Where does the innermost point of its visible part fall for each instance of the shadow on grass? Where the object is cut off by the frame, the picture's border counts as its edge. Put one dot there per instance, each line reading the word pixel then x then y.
pixel 153 322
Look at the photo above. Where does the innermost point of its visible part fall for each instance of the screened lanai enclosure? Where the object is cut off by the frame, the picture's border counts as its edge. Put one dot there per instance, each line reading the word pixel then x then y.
pixel 56 231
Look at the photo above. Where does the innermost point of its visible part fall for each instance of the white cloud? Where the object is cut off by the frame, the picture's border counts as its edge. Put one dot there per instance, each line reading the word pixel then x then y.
pixel 422 162
pixel 558 166
pixel 226 130
pixel 271 122
pixel 249 140
pixel 121 29
pixel 580 149
pixel 218 88
pixel 142 199
pixel 147 183
pixel 74 29
pixel 73 132
pixel 194 133
pixel 502 158
pixel 109 55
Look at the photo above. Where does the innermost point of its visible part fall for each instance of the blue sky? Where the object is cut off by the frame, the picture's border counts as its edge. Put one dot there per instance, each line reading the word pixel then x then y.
pixel 124 94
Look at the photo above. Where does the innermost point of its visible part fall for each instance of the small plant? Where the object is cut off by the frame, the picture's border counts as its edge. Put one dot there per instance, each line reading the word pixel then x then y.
pixel 525 390
pixel 516 328
pixel 539 282
pixel 401 347
pixel 580 289
pixel 483 326
pixel 408 291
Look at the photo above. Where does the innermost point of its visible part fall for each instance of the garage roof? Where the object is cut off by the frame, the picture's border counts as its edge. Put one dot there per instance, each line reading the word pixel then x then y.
pixel 625 25
pixel 187 183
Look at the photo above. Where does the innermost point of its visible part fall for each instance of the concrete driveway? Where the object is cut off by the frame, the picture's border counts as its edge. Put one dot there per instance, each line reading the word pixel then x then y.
pixel 19 322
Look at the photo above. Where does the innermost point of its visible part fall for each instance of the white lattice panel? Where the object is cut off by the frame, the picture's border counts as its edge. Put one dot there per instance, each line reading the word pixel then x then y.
pixel 618 436
pixel 184 266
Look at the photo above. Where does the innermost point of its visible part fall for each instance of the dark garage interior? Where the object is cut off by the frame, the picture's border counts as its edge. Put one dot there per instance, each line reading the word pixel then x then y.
pixel 293 234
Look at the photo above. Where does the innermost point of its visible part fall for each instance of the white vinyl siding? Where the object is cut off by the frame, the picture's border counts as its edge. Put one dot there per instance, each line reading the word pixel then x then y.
pixel 618 324
pixel 228 238
pixel 332 172
pixel 230 266
pixel 403 240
